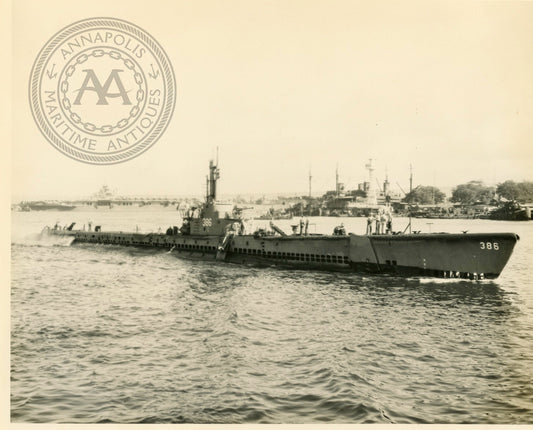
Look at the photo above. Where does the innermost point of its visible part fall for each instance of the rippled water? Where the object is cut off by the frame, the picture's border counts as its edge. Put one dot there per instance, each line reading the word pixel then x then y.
pixel 110 334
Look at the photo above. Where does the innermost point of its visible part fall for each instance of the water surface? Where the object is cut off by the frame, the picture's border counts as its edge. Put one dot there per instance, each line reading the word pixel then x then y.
pixel 110 334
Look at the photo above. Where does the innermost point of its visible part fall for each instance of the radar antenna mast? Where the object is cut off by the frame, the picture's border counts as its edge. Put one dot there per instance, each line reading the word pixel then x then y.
pixel 214 174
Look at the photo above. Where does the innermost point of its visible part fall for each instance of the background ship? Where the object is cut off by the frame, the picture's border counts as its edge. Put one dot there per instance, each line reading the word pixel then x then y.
pixel 45 206
pixel 511 211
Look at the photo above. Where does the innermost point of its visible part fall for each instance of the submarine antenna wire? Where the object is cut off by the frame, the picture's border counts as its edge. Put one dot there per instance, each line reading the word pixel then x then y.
pixel 408 226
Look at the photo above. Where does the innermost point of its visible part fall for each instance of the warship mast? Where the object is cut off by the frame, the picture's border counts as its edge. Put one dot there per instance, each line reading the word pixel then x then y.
pixel 371 194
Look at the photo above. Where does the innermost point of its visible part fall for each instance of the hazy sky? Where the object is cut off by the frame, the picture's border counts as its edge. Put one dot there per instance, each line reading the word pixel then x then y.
pixel 282 86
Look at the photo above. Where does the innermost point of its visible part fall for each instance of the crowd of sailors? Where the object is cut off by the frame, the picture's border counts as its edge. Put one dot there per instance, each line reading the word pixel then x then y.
pixel 380 223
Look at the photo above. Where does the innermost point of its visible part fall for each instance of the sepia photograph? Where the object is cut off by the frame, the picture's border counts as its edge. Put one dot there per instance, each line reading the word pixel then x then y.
pixel 269 212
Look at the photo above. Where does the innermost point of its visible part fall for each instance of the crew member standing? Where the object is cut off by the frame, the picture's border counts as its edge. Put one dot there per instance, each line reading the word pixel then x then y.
pixel 383 220
pixel 378 223
pixel 369 222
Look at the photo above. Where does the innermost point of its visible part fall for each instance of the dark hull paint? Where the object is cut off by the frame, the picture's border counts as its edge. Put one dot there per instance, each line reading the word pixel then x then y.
pixel 443 255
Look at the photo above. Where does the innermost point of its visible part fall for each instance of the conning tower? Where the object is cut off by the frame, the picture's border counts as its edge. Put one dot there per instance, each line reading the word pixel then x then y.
pixel 206 220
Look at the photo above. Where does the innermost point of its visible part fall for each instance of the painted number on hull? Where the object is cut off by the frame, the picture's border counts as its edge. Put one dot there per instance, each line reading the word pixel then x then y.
pixel 489 245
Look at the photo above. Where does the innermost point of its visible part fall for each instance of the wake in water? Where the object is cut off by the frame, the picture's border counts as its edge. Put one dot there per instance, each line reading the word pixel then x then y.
pixel 455 281
pixel 40 239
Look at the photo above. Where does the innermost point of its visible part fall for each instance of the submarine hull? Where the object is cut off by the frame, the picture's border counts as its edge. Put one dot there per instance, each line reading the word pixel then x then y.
pixel 442 255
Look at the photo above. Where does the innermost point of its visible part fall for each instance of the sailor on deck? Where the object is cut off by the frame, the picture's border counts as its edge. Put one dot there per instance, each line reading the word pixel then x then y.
pixel 383 219
pixel 339 230
pixel 369 222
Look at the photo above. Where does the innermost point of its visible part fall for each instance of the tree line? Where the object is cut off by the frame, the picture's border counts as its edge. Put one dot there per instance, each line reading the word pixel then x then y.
pixel 474 192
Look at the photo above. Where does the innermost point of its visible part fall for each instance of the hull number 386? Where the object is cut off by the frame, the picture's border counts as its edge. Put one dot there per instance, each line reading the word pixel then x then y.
pixel 489 245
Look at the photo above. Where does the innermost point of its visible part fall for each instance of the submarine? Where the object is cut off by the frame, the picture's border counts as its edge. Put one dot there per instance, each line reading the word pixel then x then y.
pixel 205 234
